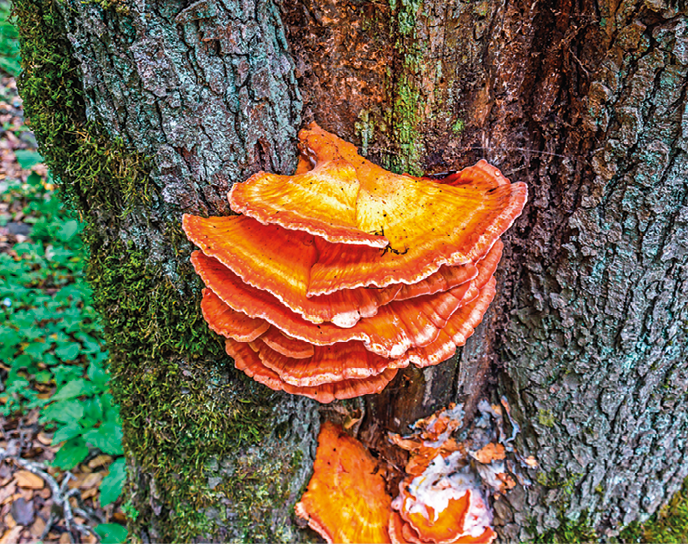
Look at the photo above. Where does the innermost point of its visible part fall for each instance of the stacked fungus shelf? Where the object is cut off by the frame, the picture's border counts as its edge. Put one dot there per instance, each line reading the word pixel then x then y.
pixel 335 277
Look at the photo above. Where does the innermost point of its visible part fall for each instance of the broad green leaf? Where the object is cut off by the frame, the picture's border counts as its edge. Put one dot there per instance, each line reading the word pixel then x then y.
pixel 64 411
pixel 107 438
pixel 68 230
pixel 93 412
pixel 66 432
pixel 97 375
pixel 111 533
pixel 66 373
pixel 71 454
pixel 36 349
pixel 68 352
pixel 34 179
pixel 27 159
pixel 110 409
pixel 73 389
pixel 43 376
pixel 111 486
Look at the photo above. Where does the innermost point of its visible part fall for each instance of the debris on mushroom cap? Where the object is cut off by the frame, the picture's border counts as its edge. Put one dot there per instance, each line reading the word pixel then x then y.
pixel 442 498
pixel 342 273
pixel 346 500
pixel 248 361
pixel 426 223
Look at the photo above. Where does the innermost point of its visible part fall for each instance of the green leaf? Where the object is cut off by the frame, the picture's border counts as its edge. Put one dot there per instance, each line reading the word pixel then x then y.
pixel 27 159
pixel 64 411
pixel 111 533
pixel 43 376
pixel 68 352
pixel 73 389
pixel 68 230
pixel 36 349
pixel 71 454
pixel 111 486
pixel 67 432
pixel 107 438
pixel 93 412
pixel 97 375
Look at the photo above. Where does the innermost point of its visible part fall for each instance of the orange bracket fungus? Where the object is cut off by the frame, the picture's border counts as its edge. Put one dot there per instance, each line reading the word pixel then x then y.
pixel 340 274
pixel 346 499
pixel 443 495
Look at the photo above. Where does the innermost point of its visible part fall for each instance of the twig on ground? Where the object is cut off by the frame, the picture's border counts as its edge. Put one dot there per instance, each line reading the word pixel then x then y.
pixel 61 495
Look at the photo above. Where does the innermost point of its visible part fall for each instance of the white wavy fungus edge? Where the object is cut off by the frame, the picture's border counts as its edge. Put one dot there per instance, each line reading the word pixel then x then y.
pixel 446 479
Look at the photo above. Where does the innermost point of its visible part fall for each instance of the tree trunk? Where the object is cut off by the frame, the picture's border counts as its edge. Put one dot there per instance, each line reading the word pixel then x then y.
pixel 146 111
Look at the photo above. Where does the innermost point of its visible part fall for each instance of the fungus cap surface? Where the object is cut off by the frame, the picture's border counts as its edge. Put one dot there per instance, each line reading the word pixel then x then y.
pixel 426 223
pixel 346 500
pixel 279 261
pixel 230 323
pixel 345 361
pixel 395 328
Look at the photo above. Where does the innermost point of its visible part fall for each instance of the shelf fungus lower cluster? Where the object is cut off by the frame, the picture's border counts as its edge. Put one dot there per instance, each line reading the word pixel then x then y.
pixel 441 498
pixel 335 277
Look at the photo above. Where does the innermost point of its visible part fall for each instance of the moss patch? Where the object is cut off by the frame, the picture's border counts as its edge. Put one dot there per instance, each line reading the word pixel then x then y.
pixel 670 524
pixel 93 171
pixel 573 532
pixel 405 116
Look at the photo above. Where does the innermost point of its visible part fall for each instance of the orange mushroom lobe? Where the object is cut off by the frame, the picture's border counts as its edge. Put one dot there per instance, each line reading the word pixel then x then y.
pixel 346 499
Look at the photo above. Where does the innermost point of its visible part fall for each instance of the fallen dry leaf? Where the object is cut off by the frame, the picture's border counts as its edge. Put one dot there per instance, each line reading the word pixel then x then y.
pixel 7 491
pixel 45 493
pixel 23 512
pixel 26 494
pixel 89 493
pixel 38 527
pixel 11 536
pixel 489 453
pixel 76 481
pixel 44 438
pixel 8 501
pixel 64 538
pixel 91 480
pixel 99 461
pixel 28 480
pixel 9 521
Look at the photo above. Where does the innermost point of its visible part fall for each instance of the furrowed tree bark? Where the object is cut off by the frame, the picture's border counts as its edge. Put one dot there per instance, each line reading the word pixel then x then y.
pixel 585 101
